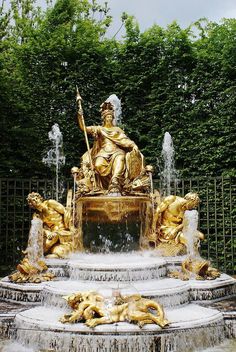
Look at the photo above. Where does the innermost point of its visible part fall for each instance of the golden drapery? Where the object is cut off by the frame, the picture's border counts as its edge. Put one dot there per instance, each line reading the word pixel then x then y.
pixel 109 144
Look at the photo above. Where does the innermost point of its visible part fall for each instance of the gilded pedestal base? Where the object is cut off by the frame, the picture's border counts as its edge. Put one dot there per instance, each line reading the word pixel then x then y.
pixel 112 209
pixel 113 223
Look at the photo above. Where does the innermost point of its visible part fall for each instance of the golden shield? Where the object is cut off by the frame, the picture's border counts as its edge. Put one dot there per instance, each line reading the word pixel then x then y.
pixel 134 164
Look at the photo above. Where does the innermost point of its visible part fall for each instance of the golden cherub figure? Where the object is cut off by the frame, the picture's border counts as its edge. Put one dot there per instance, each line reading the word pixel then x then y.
pixel 144 311
pixel 81 303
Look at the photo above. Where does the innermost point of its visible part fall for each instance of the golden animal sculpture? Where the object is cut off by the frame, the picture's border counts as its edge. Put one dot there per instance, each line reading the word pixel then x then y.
pixel 58 230
pixel 114 165
pixel 29 272
pixel 166 233
pixel 196 268
pixel 133 308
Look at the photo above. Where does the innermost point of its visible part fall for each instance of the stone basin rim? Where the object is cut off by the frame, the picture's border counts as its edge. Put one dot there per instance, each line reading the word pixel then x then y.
pixel 212 316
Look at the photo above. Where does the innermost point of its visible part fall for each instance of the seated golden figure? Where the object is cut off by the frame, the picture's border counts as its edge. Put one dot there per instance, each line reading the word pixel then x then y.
pixel 168 224
pixel 58 230
pixel 112 162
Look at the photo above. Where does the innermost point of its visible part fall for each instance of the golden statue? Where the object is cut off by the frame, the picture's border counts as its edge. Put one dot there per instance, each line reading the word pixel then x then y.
pixel 30 272
pixel 79 302
pixel 168 224
pixel 33 268
pixel 143 311
pixel 58 230
pixel 114 161
pixel 133 308
pixel 197 268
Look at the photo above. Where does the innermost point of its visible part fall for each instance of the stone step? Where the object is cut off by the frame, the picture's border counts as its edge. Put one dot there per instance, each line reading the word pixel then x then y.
pixel 190 324
pixel 111 267
pixel 167 291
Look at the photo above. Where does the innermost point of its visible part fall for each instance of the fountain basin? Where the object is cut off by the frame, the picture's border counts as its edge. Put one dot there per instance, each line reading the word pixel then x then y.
pixel 138 272
pixel 47 332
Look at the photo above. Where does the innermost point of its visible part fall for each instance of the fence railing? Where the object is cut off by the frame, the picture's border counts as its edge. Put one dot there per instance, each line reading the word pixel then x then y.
pixel 217 215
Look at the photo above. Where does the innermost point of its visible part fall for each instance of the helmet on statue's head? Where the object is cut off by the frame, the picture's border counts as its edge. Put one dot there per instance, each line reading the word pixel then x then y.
pixel 112 106
pixel 106 109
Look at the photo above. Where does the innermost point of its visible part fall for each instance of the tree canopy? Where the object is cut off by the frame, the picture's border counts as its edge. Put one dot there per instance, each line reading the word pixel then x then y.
pixel 176 80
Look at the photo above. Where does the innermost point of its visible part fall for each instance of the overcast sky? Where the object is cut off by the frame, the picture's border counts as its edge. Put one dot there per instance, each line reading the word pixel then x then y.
pixel 163 12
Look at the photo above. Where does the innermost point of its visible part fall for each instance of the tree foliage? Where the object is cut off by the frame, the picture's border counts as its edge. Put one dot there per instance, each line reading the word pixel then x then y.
pixel 173 79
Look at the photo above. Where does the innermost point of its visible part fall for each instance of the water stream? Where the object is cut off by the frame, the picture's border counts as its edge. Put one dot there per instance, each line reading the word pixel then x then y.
pixel 55 156
pixel 190 222
pixel 35 242
pixel 168 172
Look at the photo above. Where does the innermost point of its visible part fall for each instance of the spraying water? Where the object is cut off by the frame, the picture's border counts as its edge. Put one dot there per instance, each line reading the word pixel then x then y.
pixel 115 101
pixel 190 230
pixel 35 242
pixel 169 173
pixel 55 156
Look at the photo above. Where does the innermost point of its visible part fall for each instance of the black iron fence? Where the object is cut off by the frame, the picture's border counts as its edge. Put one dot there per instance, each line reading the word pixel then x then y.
pixel 217 215
pixel 15 215
pixel 217 218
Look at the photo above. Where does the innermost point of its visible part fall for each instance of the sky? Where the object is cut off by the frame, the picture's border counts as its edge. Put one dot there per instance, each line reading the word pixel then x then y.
pixel 163 12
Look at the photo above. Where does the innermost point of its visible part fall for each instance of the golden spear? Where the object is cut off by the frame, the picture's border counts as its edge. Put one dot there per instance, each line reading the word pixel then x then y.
pixel 79 104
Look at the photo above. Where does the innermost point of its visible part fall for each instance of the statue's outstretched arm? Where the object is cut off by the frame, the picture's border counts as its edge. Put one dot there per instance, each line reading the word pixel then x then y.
pixel 89 129
pixel 80 120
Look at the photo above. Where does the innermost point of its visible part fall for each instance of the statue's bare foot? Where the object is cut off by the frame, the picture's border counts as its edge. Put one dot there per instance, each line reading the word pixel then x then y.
pixel 163 322
pixel 92 322
pixel 65 318
pixel 141 324
pixel 114 188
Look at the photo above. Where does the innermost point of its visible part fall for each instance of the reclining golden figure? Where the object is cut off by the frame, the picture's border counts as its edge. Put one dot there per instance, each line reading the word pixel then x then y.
pixel 132 308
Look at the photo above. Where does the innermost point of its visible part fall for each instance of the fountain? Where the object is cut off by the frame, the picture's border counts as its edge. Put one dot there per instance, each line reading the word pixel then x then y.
pixel 110 254
pixel 55 156
pixel 168 173
pixel 190 230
